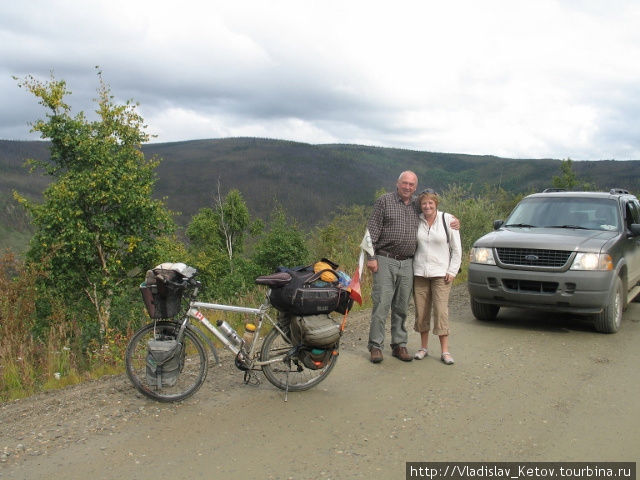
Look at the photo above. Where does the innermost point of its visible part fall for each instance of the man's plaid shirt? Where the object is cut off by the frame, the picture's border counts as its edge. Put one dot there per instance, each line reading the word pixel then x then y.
pixel 393 226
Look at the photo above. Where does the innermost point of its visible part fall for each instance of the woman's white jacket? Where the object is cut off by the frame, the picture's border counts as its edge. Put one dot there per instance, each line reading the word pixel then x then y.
pixel 435 256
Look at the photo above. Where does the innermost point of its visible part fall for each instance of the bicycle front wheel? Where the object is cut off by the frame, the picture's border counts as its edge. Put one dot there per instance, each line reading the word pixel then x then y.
pixel 191 364
pixel 299 377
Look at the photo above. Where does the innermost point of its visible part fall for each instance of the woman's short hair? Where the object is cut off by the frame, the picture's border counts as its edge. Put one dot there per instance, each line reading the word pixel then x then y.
pixel 429 194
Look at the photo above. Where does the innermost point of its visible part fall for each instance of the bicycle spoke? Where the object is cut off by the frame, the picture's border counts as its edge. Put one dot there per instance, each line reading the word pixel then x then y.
pixel 300 377
pixel 140 367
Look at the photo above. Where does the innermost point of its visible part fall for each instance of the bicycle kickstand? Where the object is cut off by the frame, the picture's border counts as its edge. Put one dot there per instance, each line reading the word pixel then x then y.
pixel 286 390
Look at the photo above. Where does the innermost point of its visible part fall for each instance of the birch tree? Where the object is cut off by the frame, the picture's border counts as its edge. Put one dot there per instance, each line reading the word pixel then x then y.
pixel 97 220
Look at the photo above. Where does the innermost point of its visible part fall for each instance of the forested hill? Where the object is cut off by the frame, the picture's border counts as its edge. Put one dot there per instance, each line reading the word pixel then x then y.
pixel 311 181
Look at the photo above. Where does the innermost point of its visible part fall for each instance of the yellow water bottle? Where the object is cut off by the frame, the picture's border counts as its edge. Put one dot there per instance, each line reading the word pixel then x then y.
pixel 249 334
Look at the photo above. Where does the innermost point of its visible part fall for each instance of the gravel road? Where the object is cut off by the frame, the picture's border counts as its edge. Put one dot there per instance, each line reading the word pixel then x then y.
pixel 527 387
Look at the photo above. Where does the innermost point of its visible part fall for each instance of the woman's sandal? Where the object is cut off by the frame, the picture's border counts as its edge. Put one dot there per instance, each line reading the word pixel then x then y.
pixel 446 358
pixel 420 354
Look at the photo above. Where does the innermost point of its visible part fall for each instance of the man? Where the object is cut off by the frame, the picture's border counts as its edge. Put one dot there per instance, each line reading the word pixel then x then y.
pixel 393 228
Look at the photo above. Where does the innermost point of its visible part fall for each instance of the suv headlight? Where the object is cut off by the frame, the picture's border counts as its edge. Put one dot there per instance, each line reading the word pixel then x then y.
pixel 592 261
pixel 482 255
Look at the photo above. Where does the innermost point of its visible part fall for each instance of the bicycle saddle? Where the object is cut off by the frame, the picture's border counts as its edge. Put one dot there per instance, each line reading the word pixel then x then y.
pixel 275 280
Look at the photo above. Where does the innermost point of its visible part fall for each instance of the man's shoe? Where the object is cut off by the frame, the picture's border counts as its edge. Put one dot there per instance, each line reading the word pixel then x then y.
pixel 376 355
pixel 402 354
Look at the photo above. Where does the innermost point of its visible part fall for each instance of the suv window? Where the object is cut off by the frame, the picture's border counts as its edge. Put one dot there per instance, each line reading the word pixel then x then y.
pixel 632 212
pixel 587 213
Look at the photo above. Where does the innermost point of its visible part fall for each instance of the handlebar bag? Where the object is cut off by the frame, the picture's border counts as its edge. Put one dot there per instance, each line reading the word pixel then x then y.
pixel 162 290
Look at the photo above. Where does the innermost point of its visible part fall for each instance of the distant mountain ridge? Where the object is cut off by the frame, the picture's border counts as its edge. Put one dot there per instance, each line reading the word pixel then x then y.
pixel 311 181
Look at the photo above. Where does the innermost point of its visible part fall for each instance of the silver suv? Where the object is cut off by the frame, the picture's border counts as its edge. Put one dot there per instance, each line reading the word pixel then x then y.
pixel 562 251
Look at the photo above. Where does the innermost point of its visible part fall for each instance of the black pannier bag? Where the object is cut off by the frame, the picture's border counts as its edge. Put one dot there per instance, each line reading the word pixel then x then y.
pixel 163 288
pixel 303 296
pixel 345 302
pixel 163 362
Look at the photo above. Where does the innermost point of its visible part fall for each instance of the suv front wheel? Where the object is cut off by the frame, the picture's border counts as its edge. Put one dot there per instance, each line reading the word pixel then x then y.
pixel 484 311
pixel 608 321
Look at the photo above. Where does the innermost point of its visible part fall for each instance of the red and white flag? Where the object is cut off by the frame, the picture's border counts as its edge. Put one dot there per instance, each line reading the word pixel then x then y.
pixel 365 246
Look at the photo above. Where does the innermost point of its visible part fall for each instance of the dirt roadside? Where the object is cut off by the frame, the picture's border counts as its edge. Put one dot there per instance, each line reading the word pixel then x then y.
pixel 524 388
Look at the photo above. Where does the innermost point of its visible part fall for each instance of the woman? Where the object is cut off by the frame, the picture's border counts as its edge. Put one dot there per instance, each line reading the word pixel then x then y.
pixel 435 265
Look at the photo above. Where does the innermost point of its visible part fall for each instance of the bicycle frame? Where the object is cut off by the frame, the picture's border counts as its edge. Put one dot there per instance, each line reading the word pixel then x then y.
pixel 260 313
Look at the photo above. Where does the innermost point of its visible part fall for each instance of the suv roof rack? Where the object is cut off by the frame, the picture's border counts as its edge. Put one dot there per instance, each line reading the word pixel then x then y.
pixel 550 190
pixel 621 191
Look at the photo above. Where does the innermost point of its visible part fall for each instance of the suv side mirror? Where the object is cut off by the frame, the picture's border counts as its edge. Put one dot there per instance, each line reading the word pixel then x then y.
pixel 497 224
pixel 635 229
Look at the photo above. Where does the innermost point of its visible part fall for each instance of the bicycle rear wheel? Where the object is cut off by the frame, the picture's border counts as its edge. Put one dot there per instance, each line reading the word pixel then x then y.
pixel 193 363
pixel 300 377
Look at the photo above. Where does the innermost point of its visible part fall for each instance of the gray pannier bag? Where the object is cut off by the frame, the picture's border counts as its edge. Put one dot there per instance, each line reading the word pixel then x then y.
pixel 315 330
pixel 163 362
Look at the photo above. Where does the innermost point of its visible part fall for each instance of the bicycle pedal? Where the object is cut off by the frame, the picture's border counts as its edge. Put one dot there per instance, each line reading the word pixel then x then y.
pixel 250 378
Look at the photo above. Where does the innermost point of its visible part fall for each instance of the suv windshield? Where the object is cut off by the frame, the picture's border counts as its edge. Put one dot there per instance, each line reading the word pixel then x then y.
pixel 565 212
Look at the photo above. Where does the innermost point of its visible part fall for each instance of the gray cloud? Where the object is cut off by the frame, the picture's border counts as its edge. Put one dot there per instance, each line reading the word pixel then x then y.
pixel 510 78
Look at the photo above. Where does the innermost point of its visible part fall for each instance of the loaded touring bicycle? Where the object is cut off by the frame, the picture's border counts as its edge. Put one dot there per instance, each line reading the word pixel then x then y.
pixel 167 359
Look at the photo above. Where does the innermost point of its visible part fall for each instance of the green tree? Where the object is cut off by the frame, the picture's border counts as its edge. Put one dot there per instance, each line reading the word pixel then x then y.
pixel 216 241
pixel 381 191
pixel 568 179
pixel 284 244
pixel 224 226
pixel 98 220
pixel 202 231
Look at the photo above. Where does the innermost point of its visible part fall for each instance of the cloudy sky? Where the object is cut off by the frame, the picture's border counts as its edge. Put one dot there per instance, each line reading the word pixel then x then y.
pixel 513 78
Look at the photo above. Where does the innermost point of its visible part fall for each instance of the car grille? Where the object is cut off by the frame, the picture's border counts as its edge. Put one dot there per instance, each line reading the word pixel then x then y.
pixel 533 257
pixel 530 286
